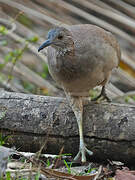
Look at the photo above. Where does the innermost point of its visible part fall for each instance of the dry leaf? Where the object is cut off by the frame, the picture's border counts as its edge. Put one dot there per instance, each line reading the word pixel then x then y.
pixel 125 175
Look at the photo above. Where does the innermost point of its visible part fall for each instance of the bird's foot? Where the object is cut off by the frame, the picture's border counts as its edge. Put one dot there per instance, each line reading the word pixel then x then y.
pixel 106 97
pixel 102 95
pixel 82 152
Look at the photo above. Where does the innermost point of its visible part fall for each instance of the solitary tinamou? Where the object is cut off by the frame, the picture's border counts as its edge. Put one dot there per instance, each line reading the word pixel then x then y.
pixel 81 57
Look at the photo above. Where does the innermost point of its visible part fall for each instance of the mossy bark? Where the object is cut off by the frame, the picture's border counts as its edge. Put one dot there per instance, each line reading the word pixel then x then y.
pixel 109 129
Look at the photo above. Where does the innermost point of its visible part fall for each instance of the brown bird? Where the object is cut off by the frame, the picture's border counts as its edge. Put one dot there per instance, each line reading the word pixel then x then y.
pixel 81 57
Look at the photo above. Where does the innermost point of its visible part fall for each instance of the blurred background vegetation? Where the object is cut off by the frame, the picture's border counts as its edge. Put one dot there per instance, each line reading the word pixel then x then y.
pixel 23 27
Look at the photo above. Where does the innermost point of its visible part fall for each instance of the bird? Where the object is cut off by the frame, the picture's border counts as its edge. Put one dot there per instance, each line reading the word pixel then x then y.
pixel 81 57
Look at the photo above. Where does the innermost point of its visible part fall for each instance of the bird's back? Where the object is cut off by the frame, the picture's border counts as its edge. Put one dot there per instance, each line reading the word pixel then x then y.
pixel 87 36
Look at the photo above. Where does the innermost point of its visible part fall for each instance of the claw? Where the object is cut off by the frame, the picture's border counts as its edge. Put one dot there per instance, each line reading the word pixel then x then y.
pixel 102 94
pixel 82 152
pixel 77 156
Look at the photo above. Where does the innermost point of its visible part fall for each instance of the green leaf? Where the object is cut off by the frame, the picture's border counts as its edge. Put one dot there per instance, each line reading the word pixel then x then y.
pixel 8 57
pixel 10 77
pixel 2 66
pixel 93 93
pixel 68 166
pixel 14 60
pixel 90 170
pixel 3 30
pixel 8 176
pixel 3 139
pixel 17 52
pixel 2 115
pixel 3 43
pixel 133 98
pixel 37 176
pixel 127 99
pixel 33 39
pixel 45 71
pixel 43 75
pixel 28 86
pixel 45 67
pixel 13 56
pixel 48 163
pixel 66 154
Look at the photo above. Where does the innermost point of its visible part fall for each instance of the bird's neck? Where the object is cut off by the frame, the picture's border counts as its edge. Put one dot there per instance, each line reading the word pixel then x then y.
pixel 66 51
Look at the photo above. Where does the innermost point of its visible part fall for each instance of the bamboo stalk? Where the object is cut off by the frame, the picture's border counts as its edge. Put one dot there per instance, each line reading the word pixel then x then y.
pixel 32 12
pixel 95 20
pixel 127 21
pixel 124 7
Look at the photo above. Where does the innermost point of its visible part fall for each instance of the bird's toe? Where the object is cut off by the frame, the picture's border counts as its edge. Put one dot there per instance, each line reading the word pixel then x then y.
pixel 82 153
pixel 89 152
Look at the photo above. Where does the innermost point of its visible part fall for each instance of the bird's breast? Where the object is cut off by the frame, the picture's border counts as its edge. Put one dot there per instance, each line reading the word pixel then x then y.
pixel 62 66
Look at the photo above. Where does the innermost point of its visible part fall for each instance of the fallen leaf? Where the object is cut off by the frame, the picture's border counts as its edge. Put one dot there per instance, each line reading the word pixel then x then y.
pixel 63 175
pixel 125 175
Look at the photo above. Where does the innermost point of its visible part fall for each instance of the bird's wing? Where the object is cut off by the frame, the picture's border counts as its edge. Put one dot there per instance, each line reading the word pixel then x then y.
pixel 90 37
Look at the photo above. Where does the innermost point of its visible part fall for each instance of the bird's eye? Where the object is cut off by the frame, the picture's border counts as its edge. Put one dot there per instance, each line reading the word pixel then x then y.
pixel 60 36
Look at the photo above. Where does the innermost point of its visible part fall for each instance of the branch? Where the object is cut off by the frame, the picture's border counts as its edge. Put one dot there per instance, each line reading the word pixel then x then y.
pixel 109 129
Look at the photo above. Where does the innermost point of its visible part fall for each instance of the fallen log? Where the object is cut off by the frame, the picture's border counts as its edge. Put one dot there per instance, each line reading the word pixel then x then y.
pixel 109 129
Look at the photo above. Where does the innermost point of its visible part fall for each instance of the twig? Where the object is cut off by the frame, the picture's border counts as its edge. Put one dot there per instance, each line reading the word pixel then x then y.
pixel 24 73
pixel 45 83
pixel 99 172
pixel 49 172
pixel 14 63
pixel 32 12
pixel 11 24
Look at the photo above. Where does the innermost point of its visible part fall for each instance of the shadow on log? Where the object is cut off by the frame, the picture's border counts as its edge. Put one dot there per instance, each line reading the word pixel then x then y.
pixel 109 129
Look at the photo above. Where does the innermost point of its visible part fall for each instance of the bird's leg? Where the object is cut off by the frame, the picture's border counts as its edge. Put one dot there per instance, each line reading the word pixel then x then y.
pixel 77 107
pixel 102 94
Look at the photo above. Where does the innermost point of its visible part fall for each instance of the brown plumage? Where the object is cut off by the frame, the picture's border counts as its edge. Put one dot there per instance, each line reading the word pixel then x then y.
pixel 81 57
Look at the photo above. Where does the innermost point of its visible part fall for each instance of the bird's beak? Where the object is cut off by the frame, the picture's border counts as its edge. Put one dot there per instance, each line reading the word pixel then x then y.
pixel 48 42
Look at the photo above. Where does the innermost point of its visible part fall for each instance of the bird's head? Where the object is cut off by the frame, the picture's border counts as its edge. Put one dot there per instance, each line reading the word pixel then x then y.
pixel 58 37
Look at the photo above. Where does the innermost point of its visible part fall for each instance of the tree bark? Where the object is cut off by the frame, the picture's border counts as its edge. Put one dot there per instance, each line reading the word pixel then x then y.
pixel 109 129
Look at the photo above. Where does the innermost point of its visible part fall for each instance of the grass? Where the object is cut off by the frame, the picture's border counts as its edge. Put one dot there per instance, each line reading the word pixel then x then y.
pixel 3 139
pixel 2 115
pixel 68 166
pixel 9 177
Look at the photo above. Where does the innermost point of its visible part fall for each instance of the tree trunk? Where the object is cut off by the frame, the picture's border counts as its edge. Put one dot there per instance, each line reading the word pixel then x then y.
pixel 109 129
